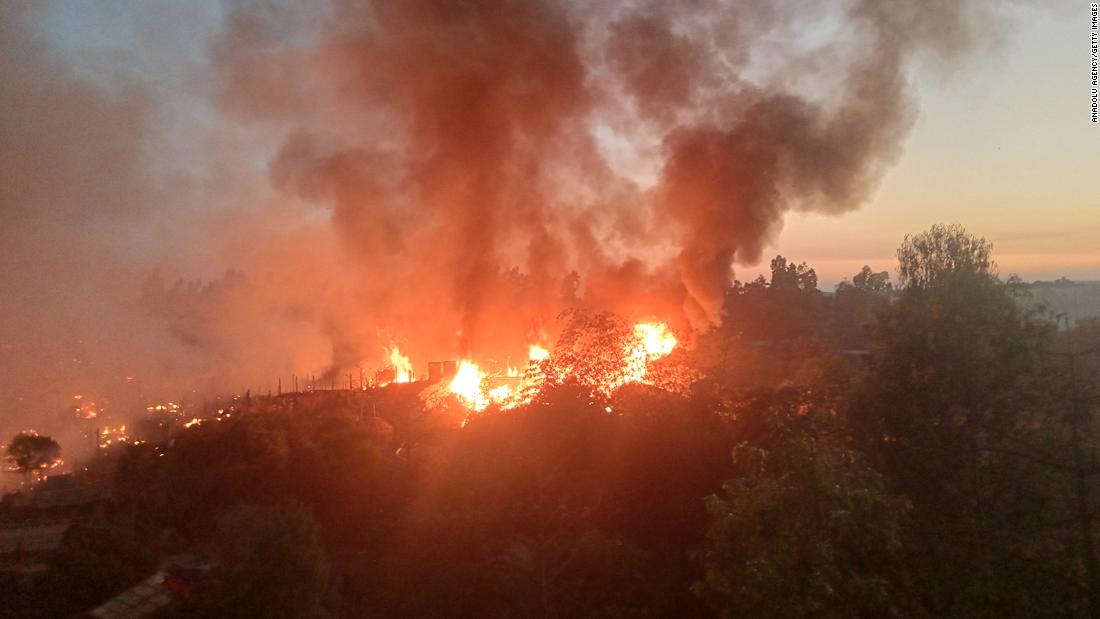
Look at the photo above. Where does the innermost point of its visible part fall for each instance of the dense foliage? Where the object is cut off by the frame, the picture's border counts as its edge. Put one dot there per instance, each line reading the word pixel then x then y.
pixel 30 452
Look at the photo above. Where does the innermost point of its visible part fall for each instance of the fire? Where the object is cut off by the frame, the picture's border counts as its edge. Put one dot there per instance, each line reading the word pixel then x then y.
pixel 170 407
pixel 476 389
pixel 537 353
pixel 500 394
pixel 402 367
pixel 467 386
pixel 652 340
pixel 109 436
pixel 657 341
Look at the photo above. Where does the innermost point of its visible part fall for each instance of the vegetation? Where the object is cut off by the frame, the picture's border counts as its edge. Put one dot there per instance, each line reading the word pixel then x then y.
pixel 30 452
pixel 918 450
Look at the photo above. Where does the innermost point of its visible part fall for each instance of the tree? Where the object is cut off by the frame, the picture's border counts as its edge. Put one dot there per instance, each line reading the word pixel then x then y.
pixel 94 562
pixel 956 381
pixel 856 305
pixel 271 564
pixel 943 252
pixel 869 281
pixel 790 275
pixel 30 452
pixel 767 324
pixel 803 528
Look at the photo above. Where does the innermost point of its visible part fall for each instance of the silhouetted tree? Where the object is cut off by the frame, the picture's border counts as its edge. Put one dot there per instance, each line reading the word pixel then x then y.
pixel 956 375
pixel 30 452
pixel 270 564
pixel 856 305
pixel 95 562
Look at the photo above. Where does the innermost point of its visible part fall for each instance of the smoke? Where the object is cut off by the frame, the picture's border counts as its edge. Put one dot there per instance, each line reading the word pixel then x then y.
pixel 466 137
pixel 442 175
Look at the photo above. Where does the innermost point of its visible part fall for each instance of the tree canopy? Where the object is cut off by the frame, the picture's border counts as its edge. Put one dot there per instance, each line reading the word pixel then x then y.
pixel 31 452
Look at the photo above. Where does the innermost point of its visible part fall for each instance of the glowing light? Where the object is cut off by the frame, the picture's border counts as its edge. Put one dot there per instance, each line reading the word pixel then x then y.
pixel 657 341
pixel 500 394
pixel 109 436
pixel 537 353
pixel 467 386
pixel 510 388
pixel 161 408
pixel 402 367
pixel 652 340
pixel 194 422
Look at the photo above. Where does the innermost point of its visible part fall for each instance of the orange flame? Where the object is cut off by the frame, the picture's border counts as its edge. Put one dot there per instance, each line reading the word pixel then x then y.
pixel 657 341
pixel 467 386
pixel 402 367
pixel 650 341
pixel 537 353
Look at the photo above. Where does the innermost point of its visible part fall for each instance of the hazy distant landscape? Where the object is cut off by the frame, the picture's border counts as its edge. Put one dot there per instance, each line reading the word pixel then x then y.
pixel 1076 299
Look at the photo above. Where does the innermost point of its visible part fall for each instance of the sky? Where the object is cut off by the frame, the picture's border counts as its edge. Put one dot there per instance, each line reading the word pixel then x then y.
pixel 1004 146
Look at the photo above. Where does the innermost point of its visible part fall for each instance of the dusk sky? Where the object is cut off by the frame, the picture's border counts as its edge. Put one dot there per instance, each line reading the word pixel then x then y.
pixel 1003 146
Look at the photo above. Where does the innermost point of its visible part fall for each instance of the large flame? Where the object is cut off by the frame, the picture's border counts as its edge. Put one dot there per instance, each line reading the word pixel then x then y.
pixel 476 389
pixel 652 340
pixel 402 367
pixel 656 340
pixel 467 385
pixel 537 353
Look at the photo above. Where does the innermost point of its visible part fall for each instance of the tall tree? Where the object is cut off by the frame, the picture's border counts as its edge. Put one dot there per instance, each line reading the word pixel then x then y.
pixel 271 564
pixel 956 376
pixel 856 305
pixel 30 452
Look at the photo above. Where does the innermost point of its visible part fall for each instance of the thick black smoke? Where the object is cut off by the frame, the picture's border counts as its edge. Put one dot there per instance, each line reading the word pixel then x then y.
pixel 444 175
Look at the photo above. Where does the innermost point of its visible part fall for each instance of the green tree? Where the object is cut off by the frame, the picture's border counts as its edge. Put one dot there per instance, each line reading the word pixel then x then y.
pixel 30 452
pixel 856 305
pixel 943 253
pixel 271 564
pixel 803 528
pixel 768 324
pixel 94 563
pixel 957 378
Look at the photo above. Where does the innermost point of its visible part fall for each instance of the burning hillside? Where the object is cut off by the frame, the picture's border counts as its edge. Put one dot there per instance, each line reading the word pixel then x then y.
pixel 599 352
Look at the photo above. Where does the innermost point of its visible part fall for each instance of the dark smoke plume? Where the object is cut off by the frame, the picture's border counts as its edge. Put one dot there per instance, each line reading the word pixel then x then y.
pixel 444 175
pixel 466 138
